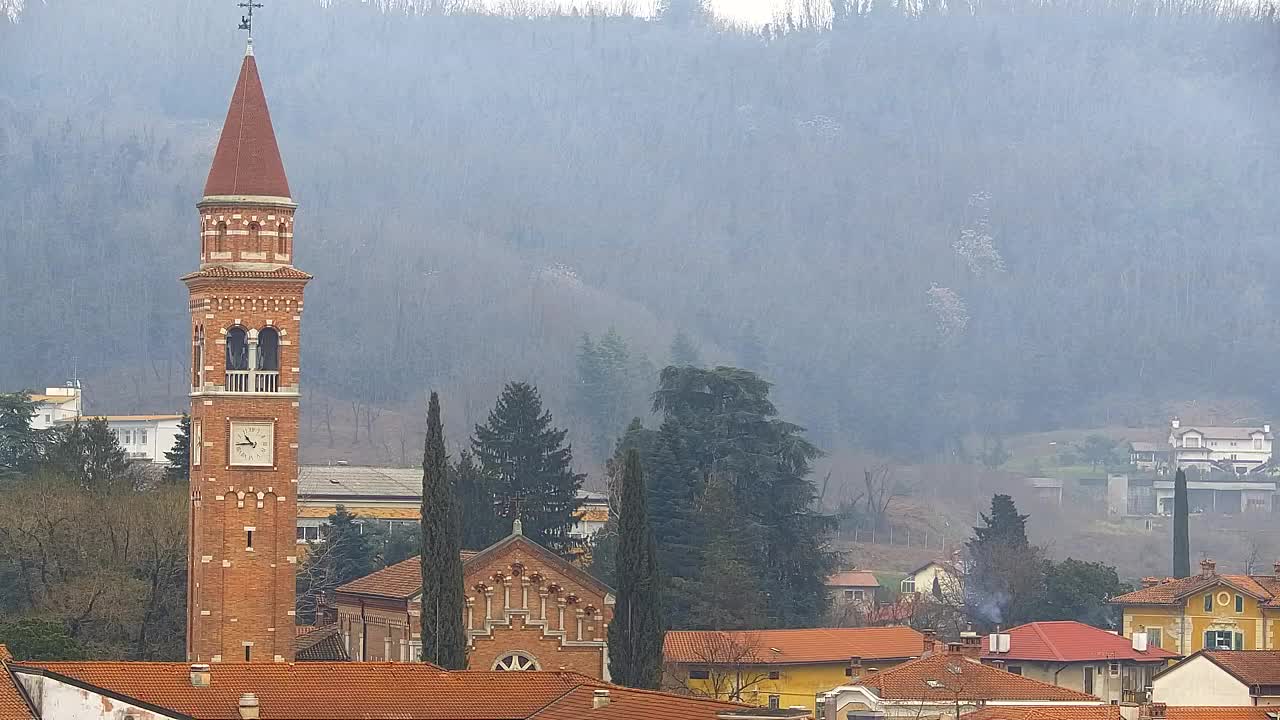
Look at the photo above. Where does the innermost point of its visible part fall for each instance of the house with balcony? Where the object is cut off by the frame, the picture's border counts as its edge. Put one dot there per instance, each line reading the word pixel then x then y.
pixel 1236 449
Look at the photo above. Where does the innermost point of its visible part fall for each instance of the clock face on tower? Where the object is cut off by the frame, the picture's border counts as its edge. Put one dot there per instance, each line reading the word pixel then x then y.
pixel 252 443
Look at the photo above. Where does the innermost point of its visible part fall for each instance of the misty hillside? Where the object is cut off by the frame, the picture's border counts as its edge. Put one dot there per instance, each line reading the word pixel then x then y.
pixel 918 226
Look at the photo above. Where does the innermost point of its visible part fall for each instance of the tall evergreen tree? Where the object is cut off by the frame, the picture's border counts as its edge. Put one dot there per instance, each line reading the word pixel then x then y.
pixel 637 630
pixel 1004 526
pixel 443 639
pixel 1181 529
pixel 730 593
pixel 530 465
pixel 178 469
pixel 478 503
pixel 90 453
pixel 721 422
pixel 20 444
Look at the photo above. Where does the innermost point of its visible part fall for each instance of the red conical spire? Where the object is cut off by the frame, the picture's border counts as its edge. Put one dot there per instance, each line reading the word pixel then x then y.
pixel 247 161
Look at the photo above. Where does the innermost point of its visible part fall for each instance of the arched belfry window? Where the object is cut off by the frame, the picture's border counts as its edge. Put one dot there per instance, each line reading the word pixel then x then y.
pixel 268 349
pixel 255 231
pixel 237 349
pixel 220 241
pixel 282 247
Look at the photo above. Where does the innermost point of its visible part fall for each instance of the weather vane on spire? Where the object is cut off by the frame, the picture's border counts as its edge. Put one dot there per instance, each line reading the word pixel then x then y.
pixel 246 21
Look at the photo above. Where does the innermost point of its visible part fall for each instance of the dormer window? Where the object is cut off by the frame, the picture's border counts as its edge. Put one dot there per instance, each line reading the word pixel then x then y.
pixel 1191 441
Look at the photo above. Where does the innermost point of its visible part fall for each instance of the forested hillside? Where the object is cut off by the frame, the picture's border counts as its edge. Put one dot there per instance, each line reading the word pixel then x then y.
pixel 917 224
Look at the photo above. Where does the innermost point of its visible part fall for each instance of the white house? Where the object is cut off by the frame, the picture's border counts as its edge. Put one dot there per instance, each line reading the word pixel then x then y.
pixel 54 405
pixel 1235 448
pixel 144 437
pixel 948 573
pixel 1221 677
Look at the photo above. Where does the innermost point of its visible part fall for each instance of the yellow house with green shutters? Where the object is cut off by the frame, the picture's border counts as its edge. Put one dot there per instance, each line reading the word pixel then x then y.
pixel 1206 611
pixel 781 668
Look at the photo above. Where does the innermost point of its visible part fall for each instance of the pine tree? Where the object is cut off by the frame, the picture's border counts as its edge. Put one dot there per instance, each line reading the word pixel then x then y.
pixel 483 526
pixel 1181 534
pixel 20 444
pixel 722 421
pixel 531 467
pixel 637 630
pixel 90 453
pixel 178 469
pixel 443 639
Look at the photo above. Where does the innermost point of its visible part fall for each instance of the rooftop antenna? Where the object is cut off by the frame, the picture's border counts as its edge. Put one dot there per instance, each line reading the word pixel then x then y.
pixel 246 22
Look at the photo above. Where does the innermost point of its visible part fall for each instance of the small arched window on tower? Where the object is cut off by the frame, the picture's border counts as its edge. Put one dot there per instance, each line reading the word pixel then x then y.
pixel 220 240
pixel 282 246
pixel 267 375
pixel 255 241
pixel 237 360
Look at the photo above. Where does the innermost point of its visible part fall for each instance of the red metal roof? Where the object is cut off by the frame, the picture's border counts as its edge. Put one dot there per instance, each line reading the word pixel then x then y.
pixel 247 161
pixel 1070 641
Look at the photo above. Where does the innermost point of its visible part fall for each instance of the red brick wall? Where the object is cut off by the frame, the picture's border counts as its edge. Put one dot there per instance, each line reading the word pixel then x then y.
pixel 238 595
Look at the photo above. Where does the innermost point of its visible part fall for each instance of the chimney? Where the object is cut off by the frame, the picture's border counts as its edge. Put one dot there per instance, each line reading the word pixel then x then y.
pixel 931 635
pixel 248 707
pixel 1154 581
pixel 1266 427
pixel 599 699
pixel 971 644
pixel 200 675
pixel 855 667
pixel 1153 711
pixel 1176 423
pixel 1276 568
pixel 1208 567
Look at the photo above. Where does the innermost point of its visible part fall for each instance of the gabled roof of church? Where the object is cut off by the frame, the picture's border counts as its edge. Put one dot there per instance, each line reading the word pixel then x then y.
pixel 247 161
pixel 403 580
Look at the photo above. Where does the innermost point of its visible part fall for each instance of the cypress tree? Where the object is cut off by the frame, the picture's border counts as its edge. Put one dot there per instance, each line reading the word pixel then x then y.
pixel 1181 536
pixel 443 642
pixel 637 630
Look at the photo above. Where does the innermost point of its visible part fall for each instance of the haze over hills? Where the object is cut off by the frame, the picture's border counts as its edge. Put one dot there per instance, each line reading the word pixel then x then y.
pixel 918 227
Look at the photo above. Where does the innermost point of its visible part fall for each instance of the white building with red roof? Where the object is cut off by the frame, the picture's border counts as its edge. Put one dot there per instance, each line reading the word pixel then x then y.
pixel 1081 657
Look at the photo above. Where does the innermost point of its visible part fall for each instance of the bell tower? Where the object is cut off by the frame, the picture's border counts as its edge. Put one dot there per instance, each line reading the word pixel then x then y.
pixel 246 311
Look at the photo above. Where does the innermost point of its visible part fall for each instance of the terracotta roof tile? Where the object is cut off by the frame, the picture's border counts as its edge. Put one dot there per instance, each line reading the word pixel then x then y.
pixel 629 704
pixel 952 673
pixel 320 644
pixel 1251 667
pixel 247 161
pixel 853 578
pixel 375 691
pixel 404 579
pixel 1188 712
pixel 1070 641
pixel 281 273
pixel 1032 712
pixel 783 647
pixel 1172 591
pixel 326 690
pixel 13 706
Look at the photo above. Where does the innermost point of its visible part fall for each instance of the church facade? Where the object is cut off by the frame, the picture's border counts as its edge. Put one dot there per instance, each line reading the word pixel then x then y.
pixel 246 312
pixel 526 609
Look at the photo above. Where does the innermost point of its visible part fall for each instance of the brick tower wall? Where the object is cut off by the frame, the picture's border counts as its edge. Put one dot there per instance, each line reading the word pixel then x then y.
pixel 241 596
